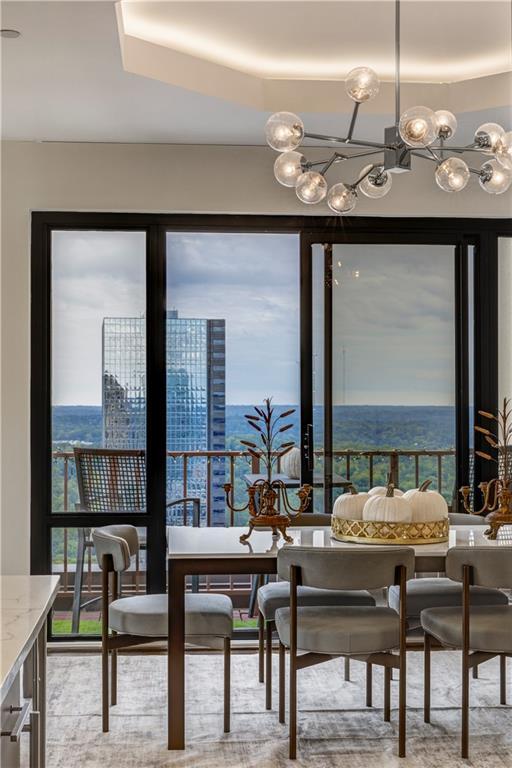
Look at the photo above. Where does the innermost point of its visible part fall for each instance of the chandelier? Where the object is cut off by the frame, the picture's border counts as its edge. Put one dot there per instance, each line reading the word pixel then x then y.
pixel 417 132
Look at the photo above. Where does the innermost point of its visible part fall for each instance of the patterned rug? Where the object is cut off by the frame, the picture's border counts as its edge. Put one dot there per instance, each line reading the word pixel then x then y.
pixel 335 727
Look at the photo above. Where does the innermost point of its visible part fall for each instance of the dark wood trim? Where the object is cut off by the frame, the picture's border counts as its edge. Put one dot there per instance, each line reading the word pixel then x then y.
pixel 328 371
pixel 485 302
pixel 461 320
pixel 156 407
pixel 306 361
pixel 40 397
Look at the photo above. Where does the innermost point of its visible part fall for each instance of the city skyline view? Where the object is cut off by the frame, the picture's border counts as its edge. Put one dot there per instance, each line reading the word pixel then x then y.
pixel 252 282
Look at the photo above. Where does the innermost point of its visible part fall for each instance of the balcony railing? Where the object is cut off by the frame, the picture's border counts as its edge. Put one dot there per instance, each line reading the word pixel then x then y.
pixel 365 468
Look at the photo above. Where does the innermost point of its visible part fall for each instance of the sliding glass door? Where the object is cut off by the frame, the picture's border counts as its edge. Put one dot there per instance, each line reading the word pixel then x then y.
pixel 383 367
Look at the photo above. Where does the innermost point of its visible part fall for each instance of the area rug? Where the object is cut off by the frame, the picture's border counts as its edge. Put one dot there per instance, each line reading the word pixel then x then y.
pixel 335 726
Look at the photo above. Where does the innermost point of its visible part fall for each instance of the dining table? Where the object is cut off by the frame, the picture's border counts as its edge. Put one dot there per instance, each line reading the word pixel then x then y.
pixel 213 550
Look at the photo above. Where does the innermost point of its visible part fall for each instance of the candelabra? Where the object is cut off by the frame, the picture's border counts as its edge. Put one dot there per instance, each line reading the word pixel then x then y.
pixel 267 493
pixel 496 493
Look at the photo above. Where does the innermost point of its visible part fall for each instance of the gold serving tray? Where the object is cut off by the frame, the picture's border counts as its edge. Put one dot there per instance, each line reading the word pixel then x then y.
pixel 375 532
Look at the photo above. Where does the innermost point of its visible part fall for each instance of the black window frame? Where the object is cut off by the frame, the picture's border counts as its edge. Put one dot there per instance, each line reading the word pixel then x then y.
pixel 482 234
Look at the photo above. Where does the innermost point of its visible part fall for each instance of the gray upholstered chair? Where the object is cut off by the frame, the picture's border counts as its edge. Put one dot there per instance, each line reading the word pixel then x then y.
pixel 143 618
pixel 480 631
pixel 366 633
pixel 276 594
pixel 425 593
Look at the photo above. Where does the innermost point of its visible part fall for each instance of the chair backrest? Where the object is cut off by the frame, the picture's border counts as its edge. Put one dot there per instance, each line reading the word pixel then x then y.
pixel 111 480
pixel 340 568
pixel 121 542
pixel 490 566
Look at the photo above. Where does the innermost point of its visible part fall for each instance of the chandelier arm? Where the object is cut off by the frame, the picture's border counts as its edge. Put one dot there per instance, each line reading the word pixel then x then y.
pixel 364 175
pixel 353 121
pixel 344 140
pixel 434 159
pixel 329 162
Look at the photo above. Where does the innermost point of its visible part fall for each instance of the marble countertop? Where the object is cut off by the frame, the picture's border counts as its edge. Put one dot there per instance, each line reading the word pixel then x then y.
pixel 24 605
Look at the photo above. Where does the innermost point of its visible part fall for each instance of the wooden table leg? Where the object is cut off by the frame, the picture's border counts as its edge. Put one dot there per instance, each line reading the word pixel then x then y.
pixel 176 657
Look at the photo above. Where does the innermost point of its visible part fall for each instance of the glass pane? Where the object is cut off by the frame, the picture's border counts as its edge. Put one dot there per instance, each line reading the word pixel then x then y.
pixel 98 397
pixel 232 340
pixel 393 358
pixel 98 349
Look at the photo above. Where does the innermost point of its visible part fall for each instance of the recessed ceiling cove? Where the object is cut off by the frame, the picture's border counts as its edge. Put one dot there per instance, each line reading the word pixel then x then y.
pixel 296 53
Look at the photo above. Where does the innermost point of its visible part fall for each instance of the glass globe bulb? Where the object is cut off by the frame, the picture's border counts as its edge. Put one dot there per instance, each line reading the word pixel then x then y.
pixel 487 136
pixel 503 151
pixel 311 187
pixel 376 182
pixel 284 131
pixel 288 168
pixel 341 199
pixel 362 84
pixel 418 126
pixel 494 178
pixel 452 175
pixel 446 123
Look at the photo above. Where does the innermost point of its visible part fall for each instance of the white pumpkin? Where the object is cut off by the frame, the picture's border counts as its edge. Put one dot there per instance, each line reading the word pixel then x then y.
pixel 290 464
pixel 349 506
pixel 381 490
pixel 388 508
pixel 427 506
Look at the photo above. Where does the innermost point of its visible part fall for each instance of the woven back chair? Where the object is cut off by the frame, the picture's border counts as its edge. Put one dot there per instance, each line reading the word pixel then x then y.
pixel 111 480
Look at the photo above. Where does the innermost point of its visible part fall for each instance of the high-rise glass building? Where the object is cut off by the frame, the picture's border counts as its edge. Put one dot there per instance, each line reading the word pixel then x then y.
pixel 196 400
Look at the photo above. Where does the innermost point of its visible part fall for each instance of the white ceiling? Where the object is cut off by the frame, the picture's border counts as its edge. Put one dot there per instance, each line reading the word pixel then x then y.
pixel 442 41
pixel 63 80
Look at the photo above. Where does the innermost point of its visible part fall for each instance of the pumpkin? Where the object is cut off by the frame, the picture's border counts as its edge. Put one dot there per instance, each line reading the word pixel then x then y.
pixel 349 506
pixel 427 506
pixel 290 464
pixel 388 508
pixel 381 490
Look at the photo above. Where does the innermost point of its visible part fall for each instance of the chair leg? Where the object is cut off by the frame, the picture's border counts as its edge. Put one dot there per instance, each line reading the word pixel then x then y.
pixel 282 661
pixel 113 678
pixel 426 678
pixel 104 688
pixel 503 679
pixel 402 704
pixel 475 673
pixel 268 659
pixel 79 577
pixel 387 694
pixel 261 647
pixel 368 684
pixel 227 685
pixel 293 707
pixel 347 669
pixel 465 708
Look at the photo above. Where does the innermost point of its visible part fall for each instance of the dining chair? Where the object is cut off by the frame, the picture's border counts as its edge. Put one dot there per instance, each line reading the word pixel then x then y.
pixel 323 632
pixel 276 594
pixel 112 481
pixel 436 592
pixel 482 632
pixel 142 619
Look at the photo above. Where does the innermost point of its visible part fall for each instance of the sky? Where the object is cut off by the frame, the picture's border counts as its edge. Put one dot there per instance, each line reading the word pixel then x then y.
pixel 393 322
